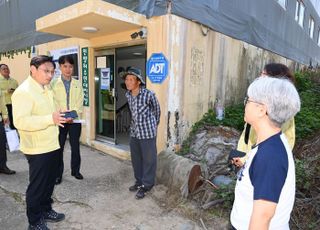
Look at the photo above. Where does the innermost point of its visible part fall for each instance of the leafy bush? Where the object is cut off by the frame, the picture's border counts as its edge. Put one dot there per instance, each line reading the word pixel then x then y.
pixel 302 177
pixel 226 192
pixel 308 119
pixel 303 81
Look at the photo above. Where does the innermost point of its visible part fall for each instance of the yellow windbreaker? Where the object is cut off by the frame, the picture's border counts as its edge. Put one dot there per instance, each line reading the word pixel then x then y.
pixel 5 85
pixel 32 114
pixel 288 129
pixel 75 97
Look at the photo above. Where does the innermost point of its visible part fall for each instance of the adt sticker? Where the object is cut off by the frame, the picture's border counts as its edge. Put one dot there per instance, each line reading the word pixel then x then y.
pixel 157 68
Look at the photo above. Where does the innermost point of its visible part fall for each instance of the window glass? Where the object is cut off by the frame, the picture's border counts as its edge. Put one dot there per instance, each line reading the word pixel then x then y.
pixel 311 27
pixel 297 11
pixel 283 3
pixel 299 16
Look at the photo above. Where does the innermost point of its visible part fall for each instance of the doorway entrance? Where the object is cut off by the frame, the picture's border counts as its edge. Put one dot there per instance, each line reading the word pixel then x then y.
pixel 112 111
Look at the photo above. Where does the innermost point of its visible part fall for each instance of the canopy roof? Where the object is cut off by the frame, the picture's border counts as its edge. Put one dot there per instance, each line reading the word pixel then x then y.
pixel 17 20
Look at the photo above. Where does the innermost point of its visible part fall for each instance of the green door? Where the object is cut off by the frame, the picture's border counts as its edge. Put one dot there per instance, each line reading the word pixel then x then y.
pixel 105 95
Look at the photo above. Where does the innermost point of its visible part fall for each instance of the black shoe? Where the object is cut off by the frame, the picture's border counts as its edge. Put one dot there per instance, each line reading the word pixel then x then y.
pixel 77 176
pixel 53 216
pixel 6 170
pixel 134 187
pixel 141 192
pixel 58 180
pixel 41 225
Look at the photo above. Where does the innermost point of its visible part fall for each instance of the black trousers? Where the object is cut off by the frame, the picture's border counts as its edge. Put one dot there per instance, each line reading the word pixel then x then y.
pixel 3 141
pixel 42 176
pixel 74 131
pixel 9 108
pixel 144 160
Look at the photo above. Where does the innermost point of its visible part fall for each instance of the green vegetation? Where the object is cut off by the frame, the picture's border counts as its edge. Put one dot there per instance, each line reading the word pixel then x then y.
pixel 308 119
pixel 226 192
pixel 302 178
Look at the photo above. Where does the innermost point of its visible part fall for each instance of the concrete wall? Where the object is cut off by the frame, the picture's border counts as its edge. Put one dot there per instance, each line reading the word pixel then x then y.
pixel 204 66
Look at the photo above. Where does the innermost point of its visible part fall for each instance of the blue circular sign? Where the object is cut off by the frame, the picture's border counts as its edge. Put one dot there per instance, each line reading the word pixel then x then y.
pixel 157 68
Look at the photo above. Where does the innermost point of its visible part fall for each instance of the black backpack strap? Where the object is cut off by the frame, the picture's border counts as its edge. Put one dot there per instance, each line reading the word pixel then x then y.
pixel 246 134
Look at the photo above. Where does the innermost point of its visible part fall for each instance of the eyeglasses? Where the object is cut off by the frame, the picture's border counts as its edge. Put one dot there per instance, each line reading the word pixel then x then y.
pixel 4 68
pixel 246 100
pixel 46 71
pixel 263 73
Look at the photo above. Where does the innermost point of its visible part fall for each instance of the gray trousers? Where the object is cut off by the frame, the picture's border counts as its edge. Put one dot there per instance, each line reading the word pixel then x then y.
pixel 144 160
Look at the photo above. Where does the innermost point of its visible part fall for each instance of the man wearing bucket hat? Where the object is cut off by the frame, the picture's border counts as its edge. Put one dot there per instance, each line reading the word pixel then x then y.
pixel 145 117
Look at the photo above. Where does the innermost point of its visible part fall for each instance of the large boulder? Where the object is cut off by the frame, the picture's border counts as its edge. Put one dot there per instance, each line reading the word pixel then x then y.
pixel 212 145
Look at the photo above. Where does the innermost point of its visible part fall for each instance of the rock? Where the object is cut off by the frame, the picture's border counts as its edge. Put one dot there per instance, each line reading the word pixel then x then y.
pixel 187 226
pixel 213 144
pixel 222 180
pixel 212 154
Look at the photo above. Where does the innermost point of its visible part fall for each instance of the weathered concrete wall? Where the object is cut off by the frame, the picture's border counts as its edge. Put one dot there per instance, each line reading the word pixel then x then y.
pixel 204 66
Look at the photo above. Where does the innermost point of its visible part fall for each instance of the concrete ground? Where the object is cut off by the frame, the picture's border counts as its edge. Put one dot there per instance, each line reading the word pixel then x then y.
pixel 100 201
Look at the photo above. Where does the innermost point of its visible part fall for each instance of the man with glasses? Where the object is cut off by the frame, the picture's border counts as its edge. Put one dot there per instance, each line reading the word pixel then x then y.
pixel 7 87
pixel 37 121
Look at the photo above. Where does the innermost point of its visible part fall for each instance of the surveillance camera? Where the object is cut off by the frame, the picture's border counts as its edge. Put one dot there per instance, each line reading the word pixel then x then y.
pixel 143 33
pixel 134 35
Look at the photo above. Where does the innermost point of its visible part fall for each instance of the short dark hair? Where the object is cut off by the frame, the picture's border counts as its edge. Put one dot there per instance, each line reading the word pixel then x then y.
pixel 40 59
pixel 279 70
pixel 121 69
pixel 3 64
pixel 66 58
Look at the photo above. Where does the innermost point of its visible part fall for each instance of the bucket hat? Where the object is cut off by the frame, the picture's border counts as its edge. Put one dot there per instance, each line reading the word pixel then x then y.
pixel 136 72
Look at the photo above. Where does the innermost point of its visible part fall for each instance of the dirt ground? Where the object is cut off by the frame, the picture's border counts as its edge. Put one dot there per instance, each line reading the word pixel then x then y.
pixel 100 201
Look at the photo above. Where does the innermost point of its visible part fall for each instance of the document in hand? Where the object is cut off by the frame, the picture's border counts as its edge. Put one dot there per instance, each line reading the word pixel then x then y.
pixel 12 140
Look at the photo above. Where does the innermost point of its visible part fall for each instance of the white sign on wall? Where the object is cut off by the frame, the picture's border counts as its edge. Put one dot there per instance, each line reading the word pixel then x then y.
pixel 65 51
pixel 105 78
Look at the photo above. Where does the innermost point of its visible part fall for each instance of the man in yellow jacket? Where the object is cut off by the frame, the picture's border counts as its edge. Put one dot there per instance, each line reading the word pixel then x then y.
pixel 7 87
pixel 68 95
pixel 3 153
pixel 37 121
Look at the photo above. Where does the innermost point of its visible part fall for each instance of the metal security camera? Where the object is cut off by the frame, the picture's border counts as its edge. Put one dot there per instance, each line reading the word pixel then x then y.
pixel 134 35
pixel 143 32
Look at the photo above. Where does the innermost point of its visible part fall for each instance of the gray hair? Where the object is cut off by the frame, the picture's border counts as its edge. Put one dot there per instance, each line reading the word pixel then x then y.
pixel 279 95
